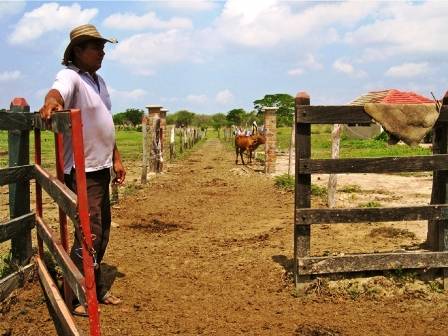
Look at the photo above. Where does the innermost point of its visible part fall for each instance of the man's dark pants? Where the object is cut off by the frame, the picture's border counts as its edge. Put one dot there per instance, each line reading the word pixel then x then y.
pixel 100 220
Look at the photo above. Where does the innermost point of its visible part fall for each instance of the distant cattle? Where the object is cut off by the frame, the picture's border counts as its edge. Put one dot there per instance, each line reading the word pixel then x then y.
pixel 248 143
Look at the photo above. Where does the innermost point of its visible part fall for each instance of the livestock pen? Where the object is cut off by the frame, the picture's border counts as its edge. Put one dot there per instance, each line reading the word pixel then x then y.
pixel 436 213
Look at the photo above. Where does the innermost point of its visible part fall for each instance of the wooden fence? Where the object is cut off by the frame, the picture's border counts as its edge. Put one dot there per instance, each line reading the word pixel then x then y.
pixel 436 212
pixel 162 144
pixel 74 206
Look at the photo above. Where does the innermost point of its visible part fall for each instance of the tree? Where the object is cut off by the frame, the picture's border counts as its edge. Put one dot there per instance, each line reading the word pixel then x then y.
pixel 285 104
pixel 134 116
pixel 131 116
pixel 218 120
pixel 181 118
pixel 236 116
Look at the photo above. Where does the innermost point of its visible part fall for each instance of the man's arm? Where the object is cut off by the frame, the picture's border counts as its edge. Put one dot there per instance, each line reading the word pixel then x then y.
pixel 53 102
pixel 119 170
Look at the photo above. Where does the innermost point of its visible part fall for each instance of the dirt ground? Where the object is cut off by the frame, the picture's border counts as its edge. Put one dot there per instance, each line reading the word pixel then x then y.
pixel 206 249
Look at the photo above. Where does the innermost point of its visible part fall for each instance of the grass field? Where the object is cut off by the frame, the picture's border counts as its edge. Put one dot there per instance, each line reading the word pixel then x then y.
pixel 130 145
pixel 349 148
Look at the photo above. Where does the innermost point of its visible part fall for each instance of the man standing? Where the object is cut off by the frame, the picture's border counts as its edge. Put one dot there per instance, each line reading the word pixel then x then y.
pixel 79 86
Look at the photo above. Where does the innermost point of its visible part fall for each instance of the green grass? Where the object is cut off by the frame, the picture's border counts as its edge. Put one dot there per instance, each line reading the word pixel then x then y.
pixel 5 265
pixel 350 188
pixel 129 142
pixel 371 204
pixel 286 182
pixel 349 148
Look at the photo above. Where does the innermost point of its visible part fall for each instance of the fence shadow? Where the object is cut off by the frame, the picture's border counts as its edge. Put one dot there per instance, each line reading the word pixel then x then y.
pixel 109 274
pixel 285 262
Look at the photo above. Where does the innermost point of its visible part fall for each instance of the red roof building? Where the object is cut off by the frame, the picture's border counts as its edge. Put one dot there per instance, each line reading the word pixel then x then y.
pixel 391 96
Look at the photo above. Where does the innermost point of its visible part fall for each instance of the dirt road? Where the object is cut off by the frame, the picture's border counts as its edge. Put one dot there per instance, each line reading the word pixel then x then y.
pixel 206 249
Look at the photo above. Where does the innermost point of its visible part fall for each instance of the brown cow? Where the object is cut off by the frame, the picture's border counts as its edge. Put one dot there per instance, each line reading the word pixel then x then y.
pixel 249 143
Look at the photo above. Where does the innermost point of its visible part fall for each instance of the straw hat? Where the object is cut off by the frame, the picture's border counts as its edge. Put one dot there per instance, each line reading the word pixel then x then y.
pixel 80 34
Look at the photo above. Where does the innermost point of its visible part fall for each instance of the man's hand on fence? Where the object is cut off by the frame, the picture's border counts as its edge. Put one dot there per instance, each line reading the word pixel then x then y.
pixel 53 102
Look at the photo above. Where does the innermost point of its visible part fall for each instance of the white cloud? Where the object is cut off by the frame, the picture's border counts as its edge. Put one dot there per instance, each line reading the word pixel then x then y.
pixel 404 27
pixel 49 17
pixel 197 99
pixel 8 8
pixel 408 70
pixel 295 72
pixel 267 23
pixel 132 94
pixel 9 75
pixel 311 62
pixel 224 97
pixel 348 69
pixel 189 5
pixel 129 21
pixel 145 51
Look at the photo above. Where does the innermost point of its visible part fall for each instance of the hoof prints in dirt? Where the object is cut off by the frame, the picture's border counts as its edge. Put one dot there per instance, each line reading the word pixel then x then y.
pixel 156 226
pixel 315 330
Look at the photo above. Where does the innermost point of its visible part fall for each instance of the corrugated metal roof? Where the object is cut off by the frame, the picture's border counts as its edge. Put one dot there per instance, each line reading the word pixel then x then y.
pixel 391 96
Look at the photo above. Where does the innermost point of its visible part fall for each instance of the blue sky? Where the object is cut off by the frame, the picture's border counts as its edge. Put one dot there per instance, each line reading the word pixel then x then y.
pixel 213 56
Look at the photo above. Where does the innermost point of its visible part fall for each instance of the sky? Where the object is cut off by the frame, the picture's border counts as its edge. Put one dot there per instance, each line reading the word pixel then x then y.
pixel 214 56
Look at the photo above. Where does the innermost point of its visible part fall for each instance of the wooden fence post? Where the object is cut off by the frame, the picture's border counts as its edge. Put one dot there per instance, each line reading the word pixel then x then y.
pixel 292 142
pixel 172 143
pixel 153 137
pixel 144 176
pixel 437 236
pixel 333 178
pixel 270 125
pixel 19 193
pixel 302 233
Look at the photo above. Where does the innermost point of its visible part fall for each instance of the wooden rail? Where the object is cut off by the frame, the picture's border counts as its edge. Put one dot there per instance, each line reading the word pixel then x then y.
pixel 71 273
pixel 14 174
pixel 15 280
pixel 308 216
pixel 304 216
pixel 64 318
pixel 377 165
pixel 16 226
pixel 342 114
pixel 62 195
pixel 371 262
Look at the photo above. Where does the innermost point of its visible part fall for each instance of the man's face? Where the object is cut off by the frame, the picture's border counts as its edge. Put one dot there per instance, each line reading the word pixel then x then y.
pixel 91 56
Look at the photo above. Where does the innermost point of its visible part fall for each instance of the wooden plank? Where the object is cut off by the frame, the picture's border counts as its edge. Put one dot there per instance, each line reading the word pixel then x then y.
pixel 374 165
pixel 63 196
pixel 443 117
pixel 342 114
pixel 302 233
pixel 370 262
pixel 72 275
pixel 18 225
pixel 306 216
pixel 65 319
pixel 15 280
pixel 19 191
pixel 21 121
pixel 60 122
pixel 14 174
